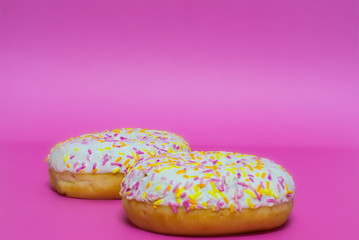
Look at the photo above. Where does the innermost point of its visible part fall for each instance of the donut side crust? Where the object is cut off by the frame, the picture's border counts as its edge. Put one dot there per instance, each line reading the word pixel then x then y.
pixel 86 185
pixel 163 220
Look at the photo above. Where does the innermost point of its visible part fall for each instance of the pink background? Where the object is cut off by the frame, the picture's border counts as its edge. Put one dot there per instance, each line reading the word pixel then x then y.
pixel 276 78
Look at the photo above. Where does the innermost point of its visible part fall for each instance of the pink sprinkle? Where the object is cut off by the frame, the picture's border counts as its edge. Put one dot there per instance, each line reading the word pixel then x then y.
pixel 105 159
pixel 90 152
pixel 88 158
pixel 173 204
pixel 238 205
pixel 183 194
pixel 94 166
pixel 196 178
pixel 174 209
pixel 175 188
pixel 82 167
pixel 171 182
pixel 163 178
pixel 186 204
pixel 278 188
pixel 76 164
pixel 269 177
pixel 270 200
pixel 258 196
pixel 116 164
pixel 240 195
pixel 72 157
pixel 238 175
pixel 153 177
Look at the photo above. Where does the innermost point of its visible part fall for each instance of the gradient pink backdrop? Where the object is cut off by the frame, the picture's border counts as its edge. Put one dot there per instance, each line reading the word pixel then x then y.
pixel 278 78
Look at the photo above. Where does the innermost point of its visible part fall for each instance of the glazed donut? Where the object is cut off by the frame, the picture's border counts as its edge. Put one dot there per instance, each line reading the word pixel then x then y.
pixel 93 165
pixel 207 193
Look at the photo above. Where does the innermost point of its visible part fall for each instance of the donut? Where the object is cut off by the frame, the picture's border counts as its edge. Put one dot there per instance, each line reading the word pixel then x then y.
pixel 92 166
pixel 207 193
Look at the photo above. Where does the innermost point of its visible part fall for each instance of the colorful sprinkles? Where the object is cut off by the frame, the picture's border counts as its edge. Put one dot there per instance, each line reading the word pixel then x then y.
pixel 208 180
pixel 113 150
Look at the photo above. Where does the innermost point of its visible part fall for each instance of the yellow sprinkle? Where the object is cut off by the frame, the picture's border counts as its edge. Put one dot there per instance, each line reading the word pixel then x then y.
pixel 144 195
pixel 249 203
pixel 82 171
pixel 68 165
pixel 213 194
pixel 76 149
pixel 101 149
pixel 148 185
pixel 204 204
pixel 231 207
pixel 158 188
pixel 66 158
pixel 213 208
pixel 250 193
pixel 107 148
pixel 116 170
pixel 257 174
pixel 244 174
pixel 223 196
pixel 157 202
pixel 169 150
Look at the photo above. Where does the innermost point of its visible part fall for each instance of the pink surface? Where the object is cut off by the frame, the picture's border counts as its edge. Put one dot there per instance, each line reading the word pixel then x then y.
pixel 277 78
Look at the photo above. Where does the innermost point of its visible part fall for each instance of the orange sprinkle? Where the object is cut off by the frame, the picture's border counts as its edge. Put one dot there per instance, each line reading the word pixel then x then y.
pixel 148 185
pixel 130 132
pixel 267 184
pixel 125 163
pixel 68 165
pixel 118 159
pixel 94 170
pixel 157 171
pixel 169 187
pixel 218 174
pixel 196 168
pixel 215 167
pixel 185 176
pixel 181 171
pixel 250 168
pixel 263 174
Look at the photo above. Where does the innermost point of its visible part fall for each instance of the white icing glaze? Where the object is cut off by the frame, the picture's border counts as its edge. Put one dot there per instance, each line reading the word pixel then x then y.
pixel 208 180
pixel 112 151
